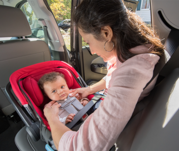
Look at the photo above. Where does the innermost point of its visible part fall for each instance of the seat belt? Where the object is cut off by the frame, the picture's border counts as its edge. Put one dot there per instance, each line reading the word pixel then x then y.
pixel 172 46
pixel 164 65
pixel 46 36
pixel 82 112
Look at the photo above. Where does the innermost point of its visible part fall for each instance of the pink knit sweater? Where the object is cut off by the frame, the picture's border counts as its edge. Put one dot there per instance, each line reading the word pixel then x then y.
pixel 101 129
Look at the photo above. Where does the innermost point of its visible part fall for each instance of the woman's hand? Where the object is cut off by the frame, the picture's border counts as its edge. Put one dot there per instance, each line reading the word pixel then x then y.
pixel 82 92
pixel 51 110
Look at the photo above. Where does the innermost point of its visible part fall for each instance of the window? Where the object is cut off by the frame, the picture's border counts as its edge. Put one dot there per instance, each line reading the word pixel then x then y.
pixel 145 4
pixel 131 5
pixel 143 10
pixel 62 12
pixel 84 44
pixel 36 28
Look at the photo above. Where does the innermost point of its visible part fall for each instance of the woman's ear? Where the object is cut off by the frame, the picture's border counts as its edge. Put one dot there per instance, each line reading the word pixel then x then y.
pixel 107 33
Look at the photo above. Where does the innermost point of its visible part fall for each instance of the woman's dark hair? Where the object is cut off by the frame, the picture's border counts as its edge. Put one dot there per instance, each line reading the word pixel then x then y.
pixel 128 29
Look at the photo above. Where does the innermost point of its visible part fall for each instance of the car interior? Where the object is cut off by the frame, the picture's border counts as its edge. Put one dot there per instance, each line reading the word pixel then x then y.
pixel 29 34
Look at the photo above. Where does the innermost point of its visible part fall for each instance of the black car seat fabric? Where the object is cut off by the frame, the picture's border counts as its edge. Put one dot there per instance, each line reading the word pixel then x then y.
pixel 16 54
pixel 156 127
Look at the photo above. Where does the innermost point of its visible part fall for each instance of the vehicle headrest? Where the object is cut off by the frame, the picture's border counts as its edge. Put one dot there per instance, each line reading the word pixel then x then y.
pixel 13 22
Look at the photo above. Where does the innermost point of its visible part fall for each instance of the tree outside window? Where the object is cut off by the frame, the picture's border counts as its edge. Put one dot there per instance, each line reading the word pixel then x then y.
pixel 62 12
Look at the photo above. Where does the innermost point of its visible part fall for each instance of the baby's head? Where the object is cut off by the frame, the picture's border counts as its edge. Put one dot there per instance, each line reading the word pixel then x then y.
pixel 54 85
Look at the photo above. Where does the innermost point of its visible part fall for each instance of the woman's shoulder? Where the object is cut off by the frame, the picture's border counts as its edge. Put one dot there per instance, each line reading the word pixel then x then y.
pixel 141 60
pixel 137 70
pixel 141 64
pixel 146 58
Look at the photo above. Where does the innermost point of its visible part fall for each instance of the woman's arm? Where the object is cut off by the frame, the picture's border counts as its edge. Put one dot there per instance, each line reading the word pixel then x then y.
pixel 57 130
pixel 97 86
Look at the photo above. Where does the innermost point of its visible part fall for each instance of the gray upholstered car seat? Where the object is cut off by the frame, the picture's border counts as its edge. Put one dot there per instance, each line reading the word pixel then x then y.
pixel 16 54
pixel 156 127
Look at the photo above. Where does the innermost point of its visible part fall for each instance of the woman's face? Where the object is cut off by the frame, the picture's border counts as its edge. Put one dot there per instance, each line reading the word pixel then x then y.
pixel 97 47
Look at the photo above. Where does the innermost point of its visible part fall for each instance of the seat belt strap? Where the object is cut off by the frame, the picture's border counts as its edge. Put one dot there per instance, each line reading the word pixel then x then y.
pixel 163 67
pixel 46 36
pixel 82 112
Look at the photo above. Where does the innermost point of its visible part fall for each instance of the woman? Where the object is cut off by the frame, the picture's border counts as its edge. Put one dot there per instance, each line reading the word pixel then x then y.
pixel 132 51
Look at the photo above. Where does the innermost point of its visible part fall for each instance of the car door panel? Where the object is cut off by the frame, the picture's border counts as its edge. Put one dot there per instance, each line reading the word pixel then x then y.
pixel 89 61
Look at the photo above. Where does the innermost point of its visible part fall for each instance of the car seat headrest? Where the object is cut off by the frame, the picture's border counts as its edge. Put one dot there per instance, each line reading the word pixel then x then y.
pixel 31 87
pixel 13 22
pixel 68 76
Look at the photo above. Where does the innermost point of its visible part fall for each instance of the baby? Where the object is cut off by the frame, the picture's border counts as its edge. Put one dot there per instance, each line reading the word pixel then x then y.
pixel 54 85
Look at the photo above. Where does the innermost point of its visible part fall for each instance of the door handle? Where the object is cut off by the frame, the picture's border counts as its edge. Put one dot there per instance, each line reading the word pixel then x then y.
pixel 99 68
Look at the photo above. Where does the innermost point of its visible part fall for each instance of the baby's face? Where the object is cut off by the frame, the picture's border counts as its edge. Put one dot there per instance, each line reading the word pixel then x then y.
pixel 56 90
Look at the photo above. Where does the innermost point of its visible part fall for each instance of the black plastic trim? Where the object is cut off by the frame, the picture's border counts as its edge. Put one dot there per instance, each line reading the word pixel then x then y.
pixel 18 5
pixel 27 121
pixel 164 21
pixel 29 102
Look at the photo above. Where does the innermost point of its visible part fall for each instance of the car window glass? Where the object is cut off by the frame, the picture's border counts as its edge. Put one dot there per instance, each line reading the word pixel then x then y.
pixel 36 28
pixel 143 10
pixel 62 12
pixel 84 43
pixel 145 4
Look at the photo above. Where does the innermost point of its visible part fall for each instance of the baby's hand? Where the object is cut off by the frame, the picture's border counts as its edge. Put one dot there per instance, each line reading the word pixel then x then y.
pixel 69 118
pixel 84 101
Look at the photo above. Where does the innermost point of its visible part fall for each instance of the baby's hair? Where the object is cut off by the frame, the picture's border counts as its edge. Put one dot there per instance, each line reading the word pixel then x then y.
pixel 49 77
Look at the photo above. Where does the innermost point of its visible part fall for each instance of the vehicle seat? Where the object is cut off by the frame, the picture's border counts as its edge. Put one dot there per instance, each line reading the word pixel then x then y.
pixel 15 54
pixel 156 127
